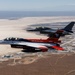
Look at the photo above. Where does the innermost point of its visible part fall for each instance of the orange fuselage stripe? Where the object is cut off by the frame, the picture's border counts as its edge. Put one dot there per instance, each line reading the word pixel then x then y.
pixel 55 40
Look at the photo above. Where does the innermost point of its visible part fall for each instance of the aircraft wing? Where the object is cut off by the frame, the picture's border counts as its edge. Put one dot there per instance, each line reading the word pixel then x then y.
pixel 43 47
pixel 33 45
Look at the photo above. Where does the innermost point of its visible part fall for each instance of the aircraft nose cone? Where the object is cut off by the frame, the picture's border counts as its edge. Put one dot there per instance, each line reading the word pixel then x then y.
pixel 1 41
pixel 4 42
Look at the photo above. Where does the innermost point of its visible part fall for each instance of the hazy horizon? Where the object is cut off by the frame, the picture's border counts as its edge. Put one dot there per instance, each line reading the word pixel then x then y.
pixel 21 14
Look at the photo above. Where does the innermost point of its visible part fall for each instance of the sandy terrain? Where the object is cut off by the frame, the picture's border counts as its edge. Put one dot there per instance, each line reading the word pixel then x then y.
pixel 53 64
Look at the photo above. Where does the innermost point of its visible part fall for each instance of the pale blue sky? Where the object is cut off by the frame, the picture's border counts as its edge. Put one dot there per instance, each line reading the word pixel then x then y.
pixel 37 5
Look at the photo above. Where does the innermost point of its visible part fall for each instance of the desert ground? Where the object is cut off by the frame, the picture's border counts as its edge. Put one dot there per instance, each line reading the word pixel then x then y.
pixel 32 63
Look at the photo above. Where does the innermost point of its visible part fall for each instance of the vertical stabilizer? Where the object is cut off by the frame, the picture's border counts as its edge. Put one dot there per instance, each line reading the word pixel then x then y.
pixel 69 27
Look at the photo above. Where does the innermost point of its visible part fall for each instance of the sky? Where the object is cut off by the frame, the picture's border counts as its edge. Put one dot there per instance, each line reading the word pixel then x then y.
pixel 37 5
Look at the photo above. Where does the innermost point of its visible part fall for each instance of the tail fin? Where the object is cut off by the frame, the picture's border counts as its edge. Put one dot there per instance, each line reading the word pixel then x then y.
pixel 69 27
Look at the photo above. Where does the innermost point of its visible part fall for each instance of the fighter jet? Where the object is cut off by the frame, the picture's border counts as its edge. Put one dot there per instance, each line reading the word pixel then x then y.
pixel 32 44
pixel 38 29
pixel 65 31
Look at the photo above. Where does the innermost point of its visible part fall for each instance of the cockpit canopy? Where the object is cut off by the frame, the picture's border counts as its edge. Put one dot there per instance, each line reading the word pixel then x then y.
pixel 15 39
pixel 11 39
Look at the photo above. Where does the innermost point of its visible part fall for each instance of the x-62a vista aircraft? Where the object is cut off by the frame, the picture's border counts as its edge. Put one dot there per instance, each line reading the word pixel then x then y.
pixel 32 45
pixel 46 30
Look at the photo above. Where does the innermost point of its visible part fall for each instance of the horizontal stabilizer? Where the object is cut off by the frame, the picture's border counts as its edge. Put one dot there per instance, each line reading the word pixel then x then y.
pixel 57 48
